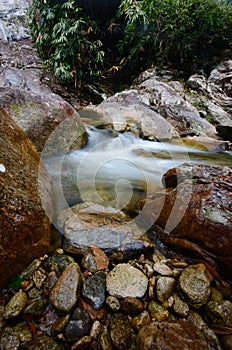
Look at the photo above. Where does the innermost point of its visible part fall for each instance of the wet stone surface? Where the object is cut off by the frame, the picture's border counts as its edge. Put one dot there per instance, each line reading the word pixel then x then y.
pixel 145 303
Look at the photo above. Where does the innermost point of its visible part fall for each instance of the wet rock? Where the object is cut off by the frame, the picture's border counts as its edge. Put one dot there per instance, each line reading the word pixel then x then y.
pixel 33 106
pixel 220 313
pixel 25 227
pixel 66 291
pixel 164 288
pixel 162 269
pixel 93 313
pixel 95 329
pixel 180 306
pixel 82 343
pixel 113 303
pixel 43 342
pixel 120 331
pixel 104 340
pixel 126 281
pixel 95 260
pixel 141 320
pixel 37 307
pixel 94 288
pixel 57 263
pixel 60 324
pixel 132 306
pixel 194 284
pixel 121 243
pixel 195 216
pixel 49 283
pixel 16 305
pixel 12 338
pixel 170 335
pixel 227 342
pixel 78 326
pixel 157 311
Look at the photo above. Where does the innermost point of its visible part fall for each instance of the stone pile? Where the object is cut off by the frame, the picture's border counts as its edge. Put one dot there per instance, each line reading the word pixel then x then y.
pixel 89 301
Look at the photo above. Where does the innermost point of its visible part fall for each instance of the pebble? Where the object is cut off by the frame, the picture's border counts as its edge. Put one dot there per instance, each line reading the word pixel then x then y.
pixel 194 284
pixel 157 311
pixel 94 289
pixel 126 281
pixel 164 288
pixel 15 305
pixel 132 306
pixel 78 326
pixel 120 331
pixel 113 303
pixel 162 269
pixel 66 291
pixel 95 260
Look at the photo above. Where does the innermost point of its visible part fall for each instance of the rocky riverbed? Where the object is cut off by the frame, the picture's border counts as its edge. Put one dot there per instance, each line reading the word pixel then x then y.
pixel 89 301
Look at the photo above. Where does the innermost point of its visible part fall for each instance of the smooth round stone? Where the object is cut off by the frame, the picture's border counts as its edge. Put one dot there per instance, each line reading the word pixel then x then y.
pixel 164 288
pixel 113 303
pixel 15 305
pixel 132 306
pixel 126 281
pixel 66 291
pixel 194 284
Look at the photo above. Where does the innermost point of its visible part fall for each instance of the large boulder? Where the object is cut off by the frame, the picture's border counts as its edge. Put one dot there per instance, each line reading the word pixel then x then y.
pixel 194 215
pixel 32 105
pixel 24 226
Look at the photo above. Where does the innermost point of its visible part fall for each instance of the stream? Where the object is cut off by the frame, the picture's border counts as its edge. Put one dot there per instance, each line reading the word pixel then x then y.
pixel 118 169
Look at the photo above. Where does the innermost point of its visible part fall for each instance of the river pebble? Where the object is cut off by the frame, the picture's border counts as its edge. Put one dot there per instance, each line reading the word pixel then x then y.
pixel 126 281
pixel 15 305
pixel 94 289
pixel 66 291
pixel 124 306
pixel 194 284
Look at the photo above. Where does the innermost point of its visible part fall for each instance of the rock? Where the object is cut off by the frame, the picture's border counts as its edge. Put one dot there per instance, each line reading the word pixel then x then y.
pixel 44 342
pixel 164 288
pixel 82 343
pixel 225 131
pixel 93 290
pixel 126 281
pixel 95 329
pixel 195 215
pixel 194 284
pixel 66 291
pixel 95 260
pixel 16 305
pixel 57 263
pixel 25 227
pixel 162 269
pixel 48 120
pixel 78 326
pixel 113 303
pixel 120 331
pixel 180 306
pixel 141 320
pixel 104 340
pixel 170 335
pixel 122 242
pixel 158 312
pixel 132 306
pixel 220 313
pixel 93 313
pixel 13 20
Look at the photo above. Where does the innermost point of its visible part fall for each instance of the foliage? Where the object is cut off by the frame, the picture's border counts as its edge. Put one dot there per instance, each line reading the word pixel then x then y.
pixel 67 41
pixel 185 34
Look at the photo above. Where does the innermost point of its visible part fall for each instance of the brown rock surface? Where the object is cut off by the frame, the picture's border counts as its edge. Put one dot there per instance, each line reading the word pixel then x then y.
pixel 24 226
pixel 196 214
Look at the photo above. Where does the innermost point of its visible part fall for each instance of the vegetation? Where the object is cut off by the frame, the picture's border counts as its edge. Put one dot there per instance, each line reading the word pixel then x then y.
pixel 183 34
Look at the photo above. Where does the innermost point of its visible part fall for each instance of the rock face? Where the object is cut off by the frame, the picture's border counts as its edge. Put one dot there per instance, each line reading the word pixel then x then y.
pixel 25 228
pixel 196 214
pixel 13 19
pixel 33 106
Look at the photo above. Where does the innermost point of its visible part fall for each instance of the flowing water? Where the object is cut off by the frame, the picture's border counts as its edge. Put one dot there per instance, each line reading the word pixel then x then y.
pixel 119 169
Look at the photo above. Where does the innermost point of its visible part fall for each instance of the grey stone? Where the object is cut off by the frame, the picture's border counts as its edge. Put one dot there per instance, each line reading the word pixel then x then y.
pixel 16 305
pixel 78 326
pixel 94 288
pixel 66 291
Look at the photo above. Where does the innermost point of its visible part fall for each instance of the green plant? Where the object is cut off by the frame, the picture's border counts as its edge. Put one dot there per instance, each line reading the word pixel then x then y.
pixel 67 41
pixel 185 34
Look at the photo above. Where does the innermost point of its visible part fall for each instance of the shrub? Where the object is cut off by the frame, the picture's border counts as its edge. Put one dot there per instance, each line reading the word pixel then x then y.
pixel 68 42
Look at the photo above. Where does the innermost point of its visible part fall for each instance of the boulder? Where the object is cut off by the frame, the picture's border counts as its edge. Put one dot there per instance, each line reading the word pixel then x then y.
pixel 25 227
pixel 33 106
pixel 194 215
